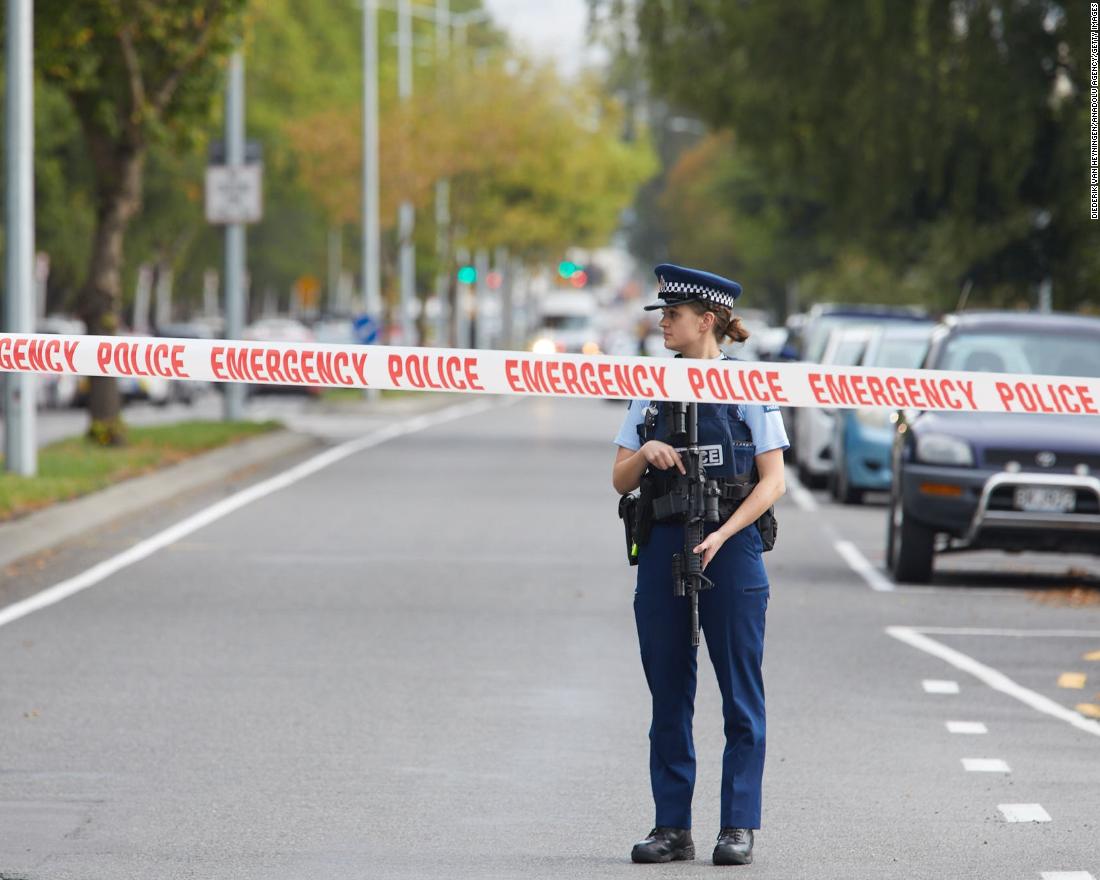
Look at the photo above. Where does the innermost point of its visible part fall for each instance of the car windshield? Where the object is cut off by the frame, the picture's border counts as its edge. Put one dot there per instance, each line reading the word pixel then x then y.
pixel 816 334
pixel 901 354
pixel 847 352
pixel 1021 351
pixel 566 322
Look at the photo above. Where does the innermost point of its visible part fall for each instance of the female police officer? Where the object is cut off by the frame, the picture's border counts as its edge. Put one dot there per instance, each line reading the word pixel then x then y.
pixel 696 316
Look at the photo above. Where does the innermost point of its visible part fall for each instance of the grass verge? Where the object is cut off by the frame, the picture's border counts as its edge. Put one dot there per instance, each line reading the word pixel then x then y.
pixel 71 468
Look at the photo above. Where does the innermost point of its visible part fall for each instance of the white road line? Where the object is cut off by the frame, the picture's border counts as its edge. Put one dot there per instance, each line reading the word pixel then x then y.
pixel 799 493
pixel 990 676
pixel 861 565
pixel 1023 813
pixel 936 686
pixel 985 765
pixel 966 727
pixel 1066 875
pixel 205 517
pixel 1015 633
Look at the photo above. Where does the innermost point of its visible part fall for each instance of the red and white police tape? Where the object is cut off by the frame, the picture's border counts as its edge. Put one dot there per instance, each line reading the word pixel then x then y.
pixel 558 375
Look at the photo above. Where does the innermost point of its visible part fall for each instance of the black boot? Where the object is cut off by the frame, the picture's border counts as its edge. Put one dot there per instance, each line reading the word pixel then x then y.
pixel 734 847
pixel 664 845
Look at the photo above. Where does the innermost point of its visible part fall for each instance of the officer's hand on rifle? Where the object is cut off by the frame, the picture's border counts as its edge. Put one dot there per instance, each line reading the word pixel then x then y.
pixel 710 546
pixel 661 455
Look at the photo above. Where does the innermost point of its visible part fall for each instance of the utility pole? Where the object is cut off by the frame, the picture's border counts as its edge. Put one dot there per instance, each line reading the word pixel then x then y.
pixel 461 313
pixel 234 232
pixel 442 186
pixel 503 264
pixel 481 293
pixel 335 263
pixel 20 450
pixel 372 242
pixel 406 216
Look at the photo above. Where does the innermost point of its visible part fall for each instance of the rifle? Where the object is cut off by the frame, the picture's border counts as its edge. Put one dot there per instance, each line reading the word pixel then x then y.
pixel 696 498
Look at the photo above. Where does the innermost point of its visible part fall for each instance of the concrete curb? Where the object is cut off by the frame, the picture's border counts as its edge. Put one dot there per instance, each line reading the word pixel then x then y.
pixel 64 521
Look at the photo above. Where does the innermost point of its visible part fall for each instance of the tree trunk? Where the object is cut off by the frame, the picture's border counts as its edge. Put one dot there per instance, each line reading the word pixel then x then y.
pixel 119 173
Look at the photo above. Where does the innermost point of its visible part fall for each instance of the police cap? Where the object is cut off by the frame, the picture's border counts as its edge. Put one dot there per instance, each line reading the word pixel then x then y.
pixel 678 285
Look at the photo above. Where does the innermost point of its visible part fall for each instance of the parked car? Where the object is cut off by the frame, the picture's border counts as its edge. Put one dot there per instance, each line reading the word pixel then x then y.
pixel 814 426
pixel 810 333
pixel 862 437
pixel 823 318
pixel 997 480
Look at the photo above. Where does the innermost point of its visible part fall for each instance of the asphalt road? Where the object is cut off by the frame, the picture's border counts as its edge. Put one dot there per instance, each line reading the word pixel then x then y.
pixel 420 661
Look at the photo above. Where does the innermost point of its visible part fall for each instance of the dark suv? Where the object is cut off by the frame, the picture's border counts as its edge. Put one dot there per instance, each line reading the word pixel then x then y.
pixel 968 481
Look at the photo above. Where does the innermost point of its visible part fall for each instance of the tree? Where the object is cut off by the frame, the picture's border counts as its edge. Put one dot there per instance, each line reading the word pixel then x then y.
pixel 535 165
pixel 943 140
pixel 135 72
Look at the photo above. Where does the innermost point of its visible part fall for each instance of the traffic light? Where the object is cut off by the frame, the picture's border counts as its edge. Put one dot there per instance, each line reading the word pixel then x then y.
pixel 467 274
pixel 567 268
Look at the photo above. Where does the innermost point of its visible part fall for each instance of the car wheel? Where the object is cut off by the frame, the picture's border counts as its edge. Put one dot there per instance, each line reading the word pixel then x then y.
pixel 844 492
pixel 809 479
pixel 909 546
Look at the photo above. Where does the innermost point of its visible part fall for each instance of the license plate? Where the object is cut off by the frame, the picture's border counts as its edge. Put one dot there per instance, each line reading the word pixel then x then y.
pixel 1041 499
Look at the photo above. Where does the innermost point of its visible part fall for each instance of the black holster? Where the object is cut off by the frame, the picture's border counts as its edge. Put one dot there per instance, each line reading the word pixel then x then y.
pixel 628 513
pixel 768 527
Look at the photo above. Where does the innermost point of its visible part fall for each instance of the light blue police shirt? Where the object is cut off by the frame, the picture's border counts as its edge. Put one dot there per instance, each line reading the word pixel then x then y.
pixel 764 421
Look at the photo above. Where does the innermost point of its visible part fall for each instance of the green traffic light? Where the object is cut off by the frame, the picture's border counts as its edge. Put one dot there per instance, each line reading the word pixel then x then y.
pixel 467 274
pixel 566 268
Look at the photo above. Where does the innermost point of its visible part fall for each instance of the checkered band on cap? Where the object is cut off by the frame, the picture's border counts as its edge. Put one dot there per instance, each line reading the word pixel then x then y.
pixel 711 294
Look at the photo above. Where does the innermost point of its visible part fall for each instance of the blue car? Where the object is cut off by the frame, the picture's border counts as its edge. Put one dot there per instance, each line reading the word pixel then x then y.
pixel 862 438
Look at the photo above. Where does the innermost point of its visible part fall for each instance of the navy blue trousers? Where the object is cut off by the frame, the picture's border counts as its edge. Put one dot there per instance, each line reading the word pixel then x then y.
pixel 731 616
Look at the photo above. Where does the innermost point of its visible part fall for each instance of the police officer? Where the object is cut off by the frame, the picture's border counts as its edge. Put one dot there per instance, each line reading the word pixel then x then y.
pixel 696 310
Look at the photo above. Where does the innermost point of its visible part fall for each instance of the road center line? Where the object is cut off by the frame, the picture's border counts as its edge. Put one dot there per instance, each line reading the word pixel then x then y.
pixel 985 765
pixel 967 727
pixel 800 495
pixel 208 515
pixel 1024 812
pixel 1040 633
pixel 861 565
pixel 994 679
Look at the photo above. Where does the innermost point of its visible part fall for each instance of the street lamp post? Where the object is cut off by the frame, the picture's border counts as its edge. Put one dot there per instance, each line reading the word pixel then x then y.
pixel 20 451
pixel 372 251
pixel 372 242
pixel 234 232
pixel 406 216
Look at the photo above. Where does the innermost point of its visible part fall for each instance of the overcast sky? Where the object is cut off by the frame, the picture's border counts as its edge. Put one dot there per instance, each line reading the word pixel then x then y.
pixel 546 28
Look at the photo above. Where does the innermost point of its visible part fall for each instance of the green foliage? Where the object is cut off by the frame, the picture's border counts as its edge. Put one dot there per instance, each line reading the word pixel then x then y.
pixel 536 164
pixel 940 141
pixel 136 68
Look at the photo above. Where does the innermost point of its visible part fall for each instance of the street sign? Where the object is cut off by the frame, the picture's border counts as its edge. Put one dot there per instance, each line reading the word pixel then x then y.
pixel 308 291
pixel 234 194
pixel 366 329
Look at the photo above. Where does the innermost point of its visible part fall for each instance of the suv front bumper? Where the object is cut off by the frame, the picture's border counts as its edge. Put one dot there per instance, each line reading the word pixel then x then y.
pixel 975 507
